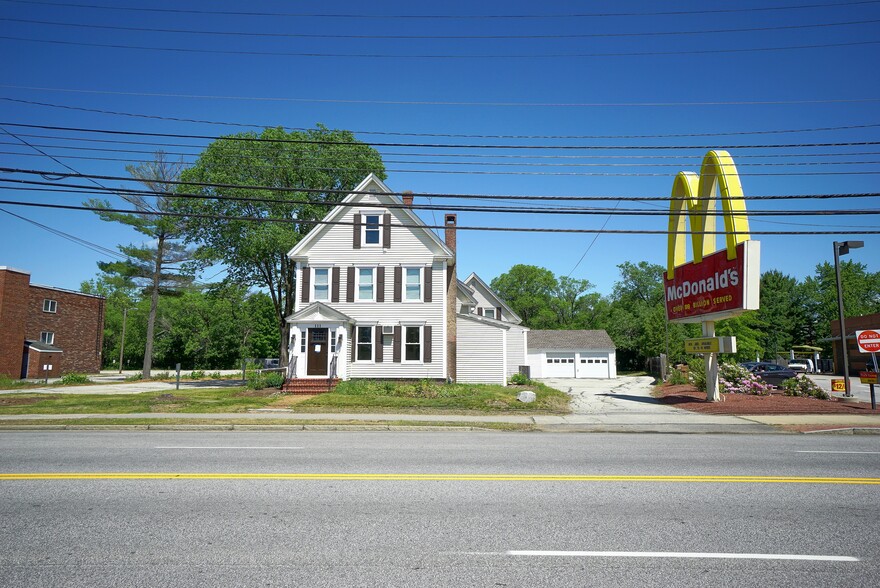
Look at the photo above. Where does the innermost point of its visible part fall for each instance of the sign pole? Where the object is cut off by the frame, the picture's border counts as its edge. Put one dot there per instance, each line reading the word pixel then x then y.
pixel 712 394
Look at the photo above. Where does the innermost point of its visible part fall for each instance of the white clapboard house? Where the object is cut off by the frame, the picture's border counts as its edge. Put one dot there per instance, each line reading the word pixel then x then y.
pixel 377 297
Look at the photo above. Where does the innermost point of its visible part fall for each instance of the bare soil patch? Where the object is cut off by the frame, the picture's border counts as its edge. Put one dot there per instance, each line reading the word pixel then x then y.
pixel 689 398
pixel 25 400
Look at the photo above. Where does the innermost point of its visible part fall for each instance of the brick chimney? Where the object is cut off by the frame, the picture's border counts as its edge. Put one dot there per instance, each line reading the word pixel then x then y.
pixel 407 198
pixel 450 221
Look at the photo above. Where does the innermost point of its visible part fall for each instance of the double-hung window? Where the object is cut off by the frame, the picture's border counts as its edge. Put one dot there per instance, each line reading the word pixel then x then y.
pixel 322 284
pixel 47 337
pixel 371 229
pixel 365 343
pixel 50 305
pixel 413 343
pixel 365 283
pixel 413 283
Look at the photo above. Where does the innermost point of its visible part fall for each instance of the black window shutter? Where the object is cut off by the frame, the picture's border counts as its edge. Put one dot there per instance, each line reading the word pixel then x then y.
pixel 380 284
pixel 429 283
pixel 398 273
pixel 386 231
pixel 498 313
pixel 480 311
pixel 379 357
pixel 306 283
pixel 396 346
pixel 357 231
pixel 354 345
pixel 349 286
pixel 426 344
pixel 334 297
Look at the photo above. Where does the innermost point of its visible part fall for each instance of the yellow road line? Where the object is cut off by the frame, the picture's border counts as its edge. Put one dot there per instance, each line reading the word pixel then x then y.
pixel 433 477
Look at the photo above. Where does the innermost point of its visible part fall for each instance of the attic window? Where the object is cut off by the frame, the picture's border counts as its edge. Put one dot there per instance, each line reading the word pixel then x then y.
pixel 489 313
pixel 371 229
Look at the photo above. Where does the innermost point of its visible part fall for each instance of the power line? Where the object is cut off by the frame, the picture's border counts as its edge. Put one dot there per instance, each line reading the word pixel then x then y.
pixel 422 226
pixel 615 211
pixel 448 135
pixel 448 103
pixel 374 36
pixel 72 238
pixel 442 16
pixel 232 156
pixel 510 173
pixel 437 56
pixel 437 145
pixel 344 192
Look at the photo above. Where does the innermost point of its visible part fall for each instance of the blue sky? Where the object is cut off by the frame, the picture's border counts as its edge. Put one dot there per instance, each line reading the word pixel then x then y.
pixel 543 87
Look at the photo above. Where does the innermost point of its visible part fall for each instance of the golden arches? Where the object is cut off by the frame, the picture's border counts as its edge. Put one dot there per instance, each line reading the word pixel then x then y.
pixel 697 195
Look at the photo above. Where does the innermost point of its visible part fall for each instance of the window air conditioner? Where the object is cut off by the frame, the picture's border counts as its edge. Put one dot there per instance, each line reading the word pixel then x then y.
pixel 387 329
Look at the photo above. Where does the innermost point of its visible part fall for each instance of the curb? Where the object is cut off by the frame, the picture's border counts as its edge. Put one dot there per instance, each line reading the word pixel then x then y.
pixel 846 431
pixel 220 427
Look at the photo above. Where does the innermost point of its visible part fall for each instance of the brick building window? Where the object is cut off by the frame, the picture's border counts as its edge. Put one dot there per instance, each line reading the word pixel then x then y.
pixel 50 305
pixel 47 337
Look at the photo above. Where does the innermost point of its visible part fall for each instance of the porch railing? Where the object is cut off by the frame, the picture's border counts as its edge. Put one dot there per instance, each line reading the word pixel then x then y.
pixel 291 368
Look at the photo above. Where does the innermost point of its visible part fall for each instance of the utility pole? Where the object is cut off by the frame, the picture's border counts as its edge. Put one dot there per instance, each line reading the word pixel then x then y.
pixel 122 342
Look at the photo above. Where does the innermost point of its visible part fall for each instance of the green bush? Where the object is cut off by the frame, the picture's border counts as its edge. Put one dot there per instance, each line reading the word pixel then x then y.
pixel 273 379
pixel 197 375
pixel 216 375
pixel 258 380
pixel 519 379
pixel 134 377
pixel 74 378
pixel 161 376
pixel 803 386
pixel 697 373
pixel 677 377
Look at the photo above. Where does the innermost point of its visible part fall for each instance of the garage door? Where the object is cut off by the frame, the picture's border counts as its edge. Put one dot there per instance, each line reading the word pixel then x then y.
pixel 592 365
pixel 559 365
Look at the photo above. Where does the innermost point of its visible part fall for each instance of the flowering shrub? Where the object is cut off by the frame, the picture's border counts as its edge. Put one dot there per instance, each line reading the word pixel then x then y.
pixel 803 386
pixel 735 379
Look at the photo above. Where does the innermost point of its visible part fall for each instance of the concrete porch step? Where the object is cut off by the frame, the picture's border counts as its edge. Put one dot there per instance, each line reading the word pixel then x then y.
pixel 309 385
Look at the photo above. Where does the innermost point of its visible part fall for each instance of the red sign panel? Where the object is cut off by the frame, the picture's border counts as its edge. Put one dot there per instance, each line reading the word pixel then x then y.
pixel 869 341
pixel 713 289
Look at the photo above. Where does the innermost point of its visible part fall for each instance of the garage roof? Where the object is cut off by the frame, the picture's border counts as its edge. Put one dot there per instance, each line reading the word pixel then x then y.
pixel 585 339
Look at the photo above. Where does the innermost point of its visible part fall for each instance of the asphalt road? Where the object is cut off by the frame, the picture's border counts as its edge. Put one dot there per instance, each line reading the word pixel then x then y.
pixel 437 509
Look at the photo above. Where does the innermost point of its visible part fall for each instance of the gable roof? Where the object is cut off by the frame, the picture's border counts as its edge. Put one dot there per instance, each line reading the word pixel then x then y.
pixel 584 339
pixel 379 187
pixel 318 311
pixel 475 278
pixel 465 293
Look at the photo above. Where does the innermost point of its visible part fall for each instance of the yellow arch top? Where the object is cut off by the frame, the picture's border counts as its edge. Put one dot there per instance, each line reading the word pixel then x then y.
pixel 697 195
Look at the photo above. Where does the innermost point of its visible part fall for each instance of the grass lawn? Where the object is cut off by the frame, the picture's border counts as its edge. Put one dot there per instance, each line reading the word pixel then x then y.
pixel 355 396
pixel 236 399
pixel 430 396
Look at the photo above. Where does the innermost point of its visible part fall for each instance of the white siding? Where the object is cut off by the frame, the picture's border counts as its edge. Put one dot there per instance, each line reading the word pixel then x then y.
pixel 409 248
pixel 485 301
pixel 516 349
pixel 480 357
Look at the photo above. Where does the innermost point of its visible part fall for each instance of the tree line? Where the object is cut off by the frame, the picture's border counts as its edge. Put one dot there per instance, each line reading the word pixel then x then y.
pixel 792 312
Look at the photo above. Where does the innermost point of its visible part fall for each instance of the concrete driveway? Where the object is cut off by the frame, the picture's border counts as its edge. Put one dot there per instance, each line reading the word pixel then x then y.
pixel 625 404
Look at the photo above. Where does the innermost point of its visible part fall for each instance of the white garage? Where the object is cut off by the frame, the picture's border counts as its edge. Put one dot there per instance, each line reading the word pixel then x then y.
pixel 571 354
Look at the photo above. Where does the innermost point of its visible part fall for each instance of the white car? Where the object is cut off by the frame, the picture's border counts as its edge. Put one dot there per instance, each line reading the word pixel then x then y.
pixel 800 365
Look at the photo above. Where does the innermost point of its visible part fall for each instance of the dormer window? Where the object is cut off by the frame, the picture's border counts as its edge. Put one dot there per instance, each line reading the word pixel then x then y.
pixel 489 313
pixel 371 229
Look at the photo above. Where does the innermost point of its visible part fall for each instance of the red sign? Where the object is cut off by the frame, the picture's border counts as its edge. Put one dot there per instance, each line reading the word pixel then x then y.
pixel 868 377
pixel 869 341
pixel 715 288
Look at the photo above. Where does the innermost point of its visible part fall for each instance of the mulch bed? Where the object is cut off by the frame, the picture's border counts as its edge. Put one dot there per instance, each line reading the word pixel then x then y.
pixel 689 398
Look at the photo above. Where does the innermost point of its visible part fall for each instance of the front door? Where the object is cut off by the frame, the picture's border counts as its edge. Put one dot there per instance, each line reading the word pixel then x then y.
pixel 317 353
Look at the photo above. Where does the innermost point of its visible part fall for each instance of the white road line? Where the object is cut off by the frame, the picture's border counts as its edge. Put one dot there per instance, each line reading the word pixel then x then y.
pixel 683 555
pixel 854 452
pixel 223 447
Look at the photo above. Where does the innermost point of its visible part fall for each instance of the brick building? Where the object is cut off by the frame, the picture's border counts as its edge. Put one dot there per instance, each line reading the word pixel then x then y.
pixel 46 331
pixel 858 361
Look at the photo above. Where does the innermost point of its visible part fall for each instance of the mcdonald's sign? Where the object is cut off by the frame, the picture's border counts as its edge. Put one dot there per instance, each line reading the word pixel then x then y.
pixel 716 284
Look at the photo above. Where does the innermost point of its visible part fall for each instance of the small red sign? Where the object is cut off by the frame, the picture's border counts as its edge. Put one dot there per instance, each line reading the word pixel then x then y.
pixel 868 377
pixel 711 286
pixel 838 386
pixel 869 341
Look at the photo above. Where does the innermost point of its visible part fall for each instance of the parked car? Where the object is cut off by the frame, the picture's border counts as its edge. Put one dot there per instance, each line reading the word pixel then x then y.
pixel 771 373
pixel 800 365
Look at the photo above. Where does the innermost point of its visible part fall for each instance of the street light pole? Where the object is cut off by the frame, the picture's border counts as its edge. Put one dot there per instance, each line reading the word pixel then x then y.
pixel 843 249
